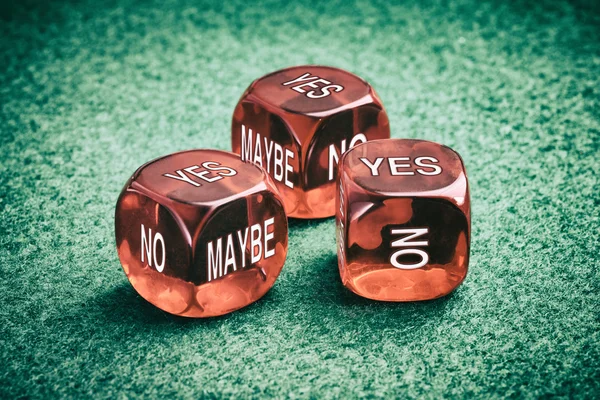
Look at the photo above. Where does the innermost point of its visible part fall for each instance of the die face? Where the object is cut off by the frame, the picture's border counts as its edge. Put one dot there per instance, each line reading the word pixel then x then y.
pixel 263 138
pixel 405 166
pixel 198 177
pixel 163 225
pixel 403 225
pixel 311 90
pixel 153 250
pixel 240 257
pixel 298 122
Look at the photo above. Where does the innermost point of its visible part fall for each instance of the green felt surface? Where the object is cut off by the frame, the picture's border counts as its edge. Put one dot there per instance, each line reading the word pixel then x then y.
pixel 90 90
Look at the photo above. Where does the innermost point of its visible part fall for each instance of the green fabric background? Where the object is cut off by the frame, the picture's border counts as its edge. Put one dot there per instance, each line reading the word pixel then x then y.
pixel 90 90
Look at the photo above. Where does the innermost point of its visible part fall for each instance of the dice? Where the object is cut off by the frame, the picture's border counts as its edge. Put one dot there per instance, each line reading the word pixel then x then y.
pixel 297 122
pixel 403 220
pixel 201 233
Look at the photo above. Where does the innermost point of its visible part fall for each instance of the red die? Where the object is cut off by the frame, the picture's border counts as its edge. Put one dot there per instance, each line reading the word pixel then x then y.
pixel 201 233
pixel 403 220
pixel 296 123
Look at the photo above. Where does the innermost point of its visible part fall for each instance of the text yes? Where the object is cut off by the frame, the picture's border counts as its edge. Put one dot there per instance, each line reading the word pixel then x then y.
pixel 396 164
pixel 316 83
pixel 209 167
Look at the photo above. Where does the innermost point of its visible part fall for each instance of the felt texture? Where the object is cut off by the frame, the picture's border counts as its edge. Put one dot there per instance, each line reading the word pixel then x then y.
pixel 90 90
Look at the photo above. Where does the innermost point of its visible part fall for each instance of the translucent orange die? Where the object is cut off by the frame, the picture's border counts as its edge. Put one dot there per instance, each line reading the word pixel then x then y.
pixel 403 220
pixel 201 233
pixel 297 122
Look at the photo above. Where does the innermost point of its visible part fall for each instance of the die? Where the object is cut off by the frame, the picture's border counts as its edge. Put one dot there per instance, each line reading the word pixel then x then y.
pixel 201 233
pixel 297 122
pixel 403 220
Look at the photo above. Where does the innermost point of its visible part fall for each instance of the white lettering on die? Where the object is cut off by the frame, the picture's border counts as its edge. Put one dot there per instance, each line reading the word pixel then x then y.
pixel 235 250
pixel 334 156
pixel 149 249
pixel 186 174
pixel 399 166
pixel 277 158
pixel 324 89
pixel 404 242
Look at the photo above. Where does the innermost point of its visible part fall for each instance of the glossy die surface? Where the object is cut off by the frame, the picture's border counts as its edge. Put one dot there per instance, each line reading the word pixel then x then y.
pixel 201 233
pixel 403 220
pixel 296 123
